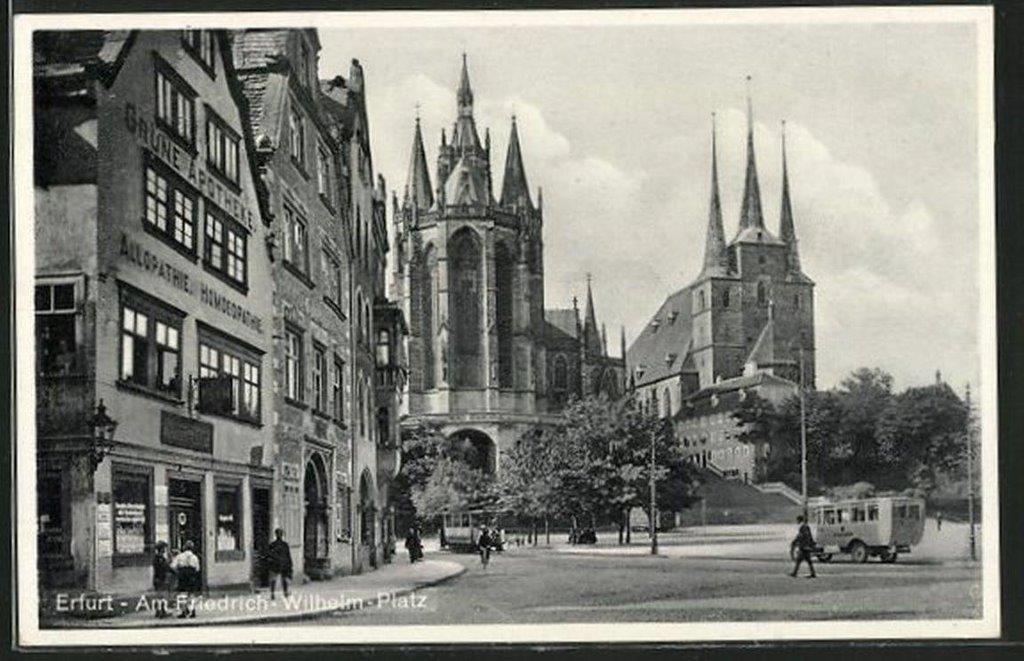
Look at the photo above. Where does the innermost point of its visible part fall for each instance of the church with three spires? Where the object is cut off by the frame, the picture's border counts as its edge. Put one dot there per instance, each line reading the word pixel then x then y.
pixel 744 325
pixel 486 360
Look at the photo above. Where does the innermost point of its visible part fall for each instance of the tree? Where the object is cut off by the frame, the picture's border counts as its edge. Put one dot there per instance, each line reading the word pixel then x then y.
pixel 921 435
pixel 528 477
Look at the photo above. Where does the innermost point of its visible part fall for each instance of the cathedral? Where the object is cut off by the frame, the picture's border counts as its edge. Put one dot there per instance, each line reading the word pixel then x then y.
pixel 744 324
pixel 486 360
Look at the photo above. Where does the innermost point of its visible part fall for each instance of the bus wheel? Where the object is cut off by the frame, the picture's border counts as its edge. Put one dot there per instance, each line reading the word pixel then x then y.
pixel 889 556
pixel 859 552
pixel 825 557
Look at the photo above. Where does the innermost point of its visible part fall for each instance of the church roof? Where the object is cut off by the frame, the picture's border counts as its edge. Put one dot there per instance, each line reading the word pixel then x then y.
pixel 716 260
pixel 514 189
pixel 751 216
pixel 418 191
pixel 465 185
pixel 563 320
pixel 787 232
pixel 666 335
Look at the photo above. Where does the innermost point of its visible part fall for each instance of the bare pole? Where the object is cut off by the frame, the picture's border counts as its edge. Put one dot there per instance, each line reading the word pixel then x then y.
pixel 803 436
pixel 654 504
pixel 970 473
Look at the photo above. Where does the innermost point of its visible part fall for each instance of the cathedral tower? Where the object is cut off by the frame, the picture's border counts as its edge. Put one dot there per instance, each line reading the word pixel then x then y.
pixel 473 287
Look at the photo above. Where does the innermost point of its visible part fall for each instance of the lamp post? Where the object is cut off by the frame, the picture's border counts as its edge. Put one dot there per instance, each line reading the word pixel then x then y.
pixel 654 504
pixel 803 436
pixel 970 473
pixel 103 428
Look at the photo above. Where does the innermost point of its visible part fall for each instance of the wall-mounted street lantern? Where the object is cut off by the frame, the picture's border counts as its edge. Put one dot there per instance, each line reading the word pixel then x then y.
pixel 103 427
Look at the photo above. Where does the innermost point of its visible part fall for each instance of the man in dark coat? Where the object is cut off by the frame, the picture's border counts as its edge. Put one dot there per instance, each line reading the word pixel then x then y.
pixel 414 545
pixel 484 543
pixel 161 579
pixel 805 546
pixel 279 562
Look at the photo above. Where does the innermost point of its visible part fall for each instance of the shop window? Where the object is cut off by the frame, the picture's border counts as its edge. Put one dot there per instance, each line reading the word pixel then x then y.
pixel 132 515
pixel 229 522
pixel 297 137
pixel 319 379
pixel 337 389
pixel 383 348
pixel 56 329
pixel 293 364
pixel 221 147
pixel 199 44
pixel 175 104
pixel 296 246
pixel 225 248
pixel 150 344
pixel 229 377
pixel 170 208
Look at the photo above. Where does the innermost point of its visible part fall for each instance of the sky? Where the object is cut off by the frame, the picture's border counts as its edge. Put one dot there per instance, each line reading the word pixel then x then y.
pixel 615 126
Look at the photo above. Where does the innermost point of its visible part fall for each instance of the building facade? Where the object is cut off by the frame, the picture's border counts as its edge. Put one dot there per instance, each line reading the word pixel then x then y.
pixel 300 164
pixel 469 273
pixel 748 316
pixel 154 305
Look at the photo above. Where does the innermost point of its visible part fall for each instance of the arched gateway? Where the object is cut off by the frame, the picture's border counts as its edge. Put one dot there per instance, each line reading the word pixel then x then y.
pixel 315 528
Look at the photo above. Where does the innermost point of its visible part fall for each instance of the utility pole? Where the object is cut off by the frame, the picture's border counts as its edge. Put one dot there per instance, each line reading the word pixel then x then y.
pixel 654 504
pixel 970 472
pixel 803 436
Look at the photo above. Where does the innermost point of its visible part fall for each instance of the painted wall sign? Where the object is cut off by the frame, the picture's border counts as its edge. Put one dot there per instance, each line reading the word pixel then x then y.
pixel 135 253
pixel 182 432
pixel 149 135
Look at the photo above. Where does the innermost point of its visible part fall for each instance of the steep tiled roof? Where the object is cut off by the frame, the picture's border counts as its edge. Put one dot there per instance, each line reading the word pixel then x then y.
pixel 562 320
pixel 253 49
pixel 727 394
pixel 465 185
pixel 664 335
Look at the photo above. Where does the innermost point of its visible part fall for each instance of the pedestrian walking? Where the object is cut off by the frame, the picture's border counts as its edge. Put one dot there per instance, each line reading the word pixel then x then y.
pixel 483 543
pixel 188 570
pixel 279 562
pixel 414 544
pixel 162 576
pixel 805 546
pixel 938 520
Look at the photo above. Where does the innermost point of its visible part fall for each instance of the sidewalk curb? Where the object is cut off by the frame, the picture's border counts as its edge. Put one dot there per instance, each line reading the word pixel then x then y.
pixel 280 617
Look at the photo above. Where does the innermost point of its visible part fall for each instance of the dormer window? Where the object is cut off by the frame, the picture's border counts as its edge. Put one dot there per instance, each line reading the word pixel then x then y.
pixel 670 358
pixel 654 326
pixel 672 316
pixel 640 370
pixel 199 44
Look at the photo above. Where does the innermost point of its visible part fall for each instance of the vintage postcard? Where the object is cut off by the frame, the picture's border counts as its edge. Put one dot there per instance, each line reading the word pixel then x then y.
pixel 344 327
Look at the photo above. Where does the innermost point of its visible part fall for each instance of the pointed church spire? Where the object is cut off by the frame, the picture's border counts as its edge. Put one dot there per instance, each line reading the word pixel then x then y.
pixel 591 334
pixel 514 189
pixel 716 260
pixel 465 94
pixel 786 230
pixel 418 191
pixel 604 340
pixel 622 342
pixel 750 215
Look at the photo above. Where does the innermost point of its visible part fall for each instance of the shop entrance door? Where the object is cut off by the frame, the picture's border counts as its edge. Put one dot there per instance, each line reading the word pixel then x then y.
pixel 184 509
pixel 260 534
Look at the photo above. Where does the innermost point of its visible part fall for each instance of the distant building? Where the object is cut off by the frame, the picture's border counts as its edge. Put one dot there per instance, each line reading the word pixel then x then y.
pixel 745 324
pixel 486 362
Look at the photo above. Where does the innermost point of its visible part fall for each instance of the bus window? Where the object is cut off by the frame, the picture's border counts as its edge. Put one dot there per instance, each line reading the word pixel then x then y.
pixel 915 512
pixel 901 512
pixel 830 516
pixel 858 513
pixel 872 512
pixel 841 516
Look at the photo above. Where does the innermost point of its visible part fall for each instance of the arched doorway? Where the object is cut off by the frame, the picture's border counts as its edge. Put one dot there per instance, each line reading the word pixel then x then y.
pixel 475 448
pixel 368 516
pixel 315 527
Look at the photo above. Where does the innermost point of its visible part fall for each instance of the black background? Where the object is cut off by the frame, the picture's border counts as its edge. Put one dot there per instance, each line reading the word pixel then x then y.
pixel 1009 168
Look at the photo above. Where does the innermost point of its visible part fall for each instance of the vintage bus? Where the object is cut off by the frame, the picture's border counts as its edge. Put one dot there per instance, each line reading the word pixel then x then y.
pixel 460 530
pixel 882 527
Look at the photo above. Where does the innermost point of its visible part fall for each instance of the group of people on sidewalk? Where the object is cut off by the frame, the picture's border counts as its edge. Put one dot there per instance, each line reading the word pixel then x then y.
pixel 486 541
pixel 181 573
